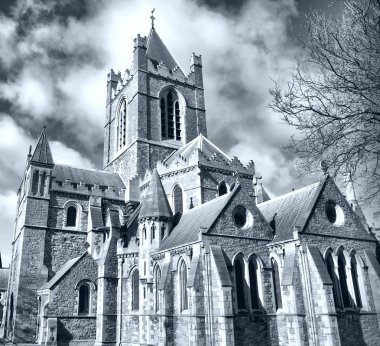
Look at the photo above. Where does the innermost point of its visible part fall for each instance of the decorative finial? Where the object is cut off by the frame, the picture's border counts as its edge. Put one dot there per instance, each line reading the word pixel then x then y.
pixel 152 18
pixel 324 166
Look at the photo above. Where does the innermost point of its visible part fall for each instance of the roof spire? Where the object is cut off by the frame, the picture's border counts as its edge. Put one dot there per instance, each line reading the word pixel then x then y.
pixel 42 152
pixel 156 203
pixel 351 197
pixel 152 18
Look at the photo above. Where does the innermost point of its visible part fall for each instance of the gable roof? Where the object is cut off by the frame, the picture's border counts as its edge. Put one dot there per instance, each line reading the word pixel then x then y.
pixel 158 52
pixel 155 203
pixel 290 210
pixel 202 144
pixel 87 176
pixel 196 220
pixel 61 272
pixel 42 152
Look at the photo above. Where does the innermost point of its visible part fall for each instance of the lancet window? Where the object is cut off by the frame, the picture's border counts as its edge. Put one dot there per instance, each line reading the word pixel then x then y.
pixel 170 116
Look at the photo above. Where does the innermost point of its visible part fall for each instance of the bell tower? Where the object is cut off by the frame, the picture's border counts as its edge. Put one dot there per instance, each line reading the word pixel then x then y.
pixel 152 109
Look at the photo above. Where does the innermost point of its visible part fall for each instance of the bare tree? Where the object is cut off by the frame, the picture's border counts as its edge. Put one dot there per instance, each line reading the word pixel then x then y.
pixel 333 99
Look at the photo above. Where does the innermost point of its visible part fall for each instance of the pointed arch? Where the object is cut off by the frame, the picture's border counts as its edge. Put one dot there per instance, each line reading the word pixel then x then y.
pixel 177 199
pixel 276 283
pixel 35 180
pixel 172 113
pixel 240 282
pixel 342 272
pixel 254 282
pixel 183 298
pixel 157 278
pixel 43 183
pixel 135 287
pixel 222 188
pixel 122 123
pixel 331 270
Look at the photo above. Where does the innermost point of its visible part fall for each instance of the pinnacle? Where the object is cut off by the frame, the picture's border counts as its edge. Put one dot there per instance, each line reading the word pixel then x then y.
pixel 155 203
pixel 42 153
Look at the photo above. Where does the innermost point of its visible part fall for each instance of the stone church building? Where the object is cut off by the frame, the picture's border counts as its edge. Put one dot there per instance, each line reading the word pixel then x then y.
pixel 176 243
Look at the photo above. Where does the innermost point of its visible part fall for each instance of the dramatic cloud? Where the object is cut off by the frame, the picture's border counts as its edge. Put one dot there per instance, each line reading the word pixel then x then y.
pixel 56 55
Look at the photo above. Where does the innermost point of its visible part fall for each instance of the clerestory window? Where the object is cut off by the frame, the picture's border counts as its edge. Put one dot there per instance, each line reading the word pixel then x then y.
pixel 170 116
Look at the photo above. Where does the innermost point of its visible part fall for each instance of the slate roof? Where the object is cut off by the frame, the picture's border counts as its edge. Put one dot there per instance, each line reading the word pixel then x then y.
pixel 61 272
pixel 87 176
pixel 157 51
pixel 292 210
pixel 4 275
pixel 196 220
pixel 201 143
pixel 155 203
pixel 42 152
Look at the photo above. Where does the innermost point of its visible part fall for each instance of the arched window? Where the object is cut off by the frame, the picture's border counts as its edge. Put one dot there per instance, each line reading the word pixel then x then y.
pixel 355 282
pixel 276 285
pixel 157 278
pixel 71 216
pixel 343 280
pixel 254 287
pixel 11 313
pixel 222 190
pixel 182 286
pixel 240 283
pixel 177 200
pixel 135 290
pixel 43 184
pixel 232 186
pixel 170 116
pixel 331 271
pixel 35 179
pixel 122 124
pixel 84 299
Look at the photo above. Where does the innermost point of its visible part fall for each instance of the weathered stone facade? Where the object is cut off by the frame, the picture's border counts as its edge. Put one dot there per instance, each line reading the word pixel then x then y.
pixel 176 243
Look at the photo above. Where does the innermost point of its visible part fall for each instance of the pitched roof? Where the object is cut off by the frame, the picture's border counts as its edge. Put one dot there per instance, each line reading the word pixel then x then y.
pixel 62 272
pixel 42 152
pixel 289 210
pixel 195 220
pixel 155 203
pixel 87 176
pixel 201 143
pixel 158 52
pixel 4 275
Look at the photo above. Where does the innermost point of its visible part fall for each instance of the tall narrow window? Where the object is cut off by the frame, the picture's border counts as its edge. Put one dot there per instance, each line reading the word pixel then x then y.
pixel 183 284
pixel 343 280
pixel 71 217
pixel 254 287
pixel 157 278
pixel 276 284
pixel 135 290
pixel 355 282
pixel 331 271
pixel 222 190
pixel 240 284
pixel 84 299
pixel 177 200
pixel 35 180
pixel 122 124
pixel 43 184
pixel 170 116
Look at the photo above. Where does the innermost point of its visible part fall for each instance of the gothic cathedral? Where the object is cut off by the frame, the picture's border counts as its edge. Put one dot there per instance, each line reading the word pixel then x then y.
pixel 176 243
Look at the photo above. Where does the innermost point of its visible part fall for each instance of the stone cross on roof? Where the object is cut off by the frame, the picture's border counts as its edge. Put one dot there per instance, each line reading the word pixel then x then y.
pixel 152 18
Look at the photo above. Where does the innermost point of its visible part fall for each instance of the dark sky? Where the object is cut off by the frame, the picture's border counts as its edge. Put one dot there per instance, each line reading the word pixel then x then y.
pixel 55 56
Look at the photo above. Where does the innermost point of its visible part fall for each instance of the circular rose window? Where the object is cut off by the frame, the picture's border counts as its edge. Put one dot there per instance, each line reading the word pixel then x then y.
pixel 242 217
pixel 334 213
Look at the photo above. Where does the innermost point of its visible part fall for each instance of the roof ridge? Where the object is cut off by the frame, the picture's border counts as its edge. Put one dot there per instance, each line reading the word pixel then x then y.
pixel 290 193
pixel 86 169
